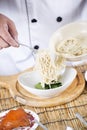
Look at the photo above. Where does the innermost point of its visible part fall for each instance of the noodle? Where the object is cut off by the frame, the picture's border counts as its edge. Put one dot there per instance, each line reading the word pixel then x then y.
pixel 73 46
pixel 48 66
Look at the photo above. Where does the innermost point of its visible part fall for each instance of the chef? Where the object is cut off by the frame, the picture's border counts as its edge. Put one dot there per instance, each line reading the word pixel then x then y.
pixel 32 22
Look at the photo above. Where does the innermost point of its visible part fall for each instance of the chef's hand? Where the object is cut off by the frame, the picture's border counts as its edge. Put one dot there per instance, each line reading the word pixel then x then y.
pixel 8 32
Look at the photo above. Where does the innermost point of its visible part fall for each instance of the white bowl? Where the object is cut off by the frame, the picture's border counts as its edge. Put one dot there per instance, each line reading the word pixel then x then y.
pixel 85 75
pixel 36 117
pixel 29 79
pixel 65 32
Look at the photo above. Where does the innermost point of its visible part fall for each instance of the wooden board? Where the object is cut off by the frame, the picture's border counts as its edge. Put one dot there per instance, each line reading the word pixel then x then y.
pixel 24 97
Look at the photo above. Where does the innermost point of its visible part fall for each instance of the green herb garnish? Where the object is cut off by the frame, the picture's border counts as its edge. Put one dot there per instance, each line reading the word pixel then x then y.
pixel 47 86
pixel 38 86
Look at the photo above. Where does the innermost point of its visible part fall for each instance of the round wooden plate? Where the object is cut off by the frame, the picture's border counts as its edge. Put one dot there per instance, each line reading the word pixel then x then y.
pixel 24 97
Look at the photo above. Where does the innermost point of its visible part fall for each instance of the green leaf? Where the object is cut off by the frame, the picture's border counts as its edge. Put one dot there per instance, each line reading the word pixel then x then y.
pixel 38 86
pixel 47 86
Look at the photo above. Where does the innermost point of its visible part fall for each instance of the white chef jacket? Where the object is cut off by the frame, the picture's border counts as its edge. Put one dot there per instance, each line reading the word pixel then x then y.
pixel 36 20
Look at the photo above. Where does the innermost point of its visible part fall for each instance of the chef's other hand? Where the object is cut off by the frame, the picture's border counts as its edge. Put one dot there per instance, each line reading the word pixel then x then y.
pixel 8 32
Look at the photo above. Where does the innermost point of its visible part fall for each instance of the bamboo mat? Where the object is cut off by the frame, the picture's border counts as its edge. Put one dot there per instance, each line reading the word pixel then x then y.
pixel 54 118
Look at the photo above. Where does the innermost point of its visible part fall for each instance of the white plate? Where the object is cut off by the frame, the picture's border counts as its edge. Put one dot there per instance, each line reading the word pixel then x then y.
pixel 36 117
pixel 28 80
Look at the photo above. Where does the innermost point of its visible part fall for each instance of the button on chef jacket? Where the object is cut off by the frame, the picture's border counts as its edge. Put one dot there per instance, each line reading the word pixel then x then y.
pixel 36 20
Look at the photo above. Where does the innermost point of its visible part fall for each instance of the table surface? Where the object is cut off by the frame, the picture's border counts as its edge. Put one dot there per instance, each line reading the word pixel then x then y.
pixel 54 118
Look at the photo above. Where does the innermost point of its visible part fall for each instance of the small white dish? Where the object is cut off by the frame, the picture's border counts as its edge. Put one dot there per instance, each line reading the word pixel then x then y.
pixel 36 117
pixel 85 75
pixel 28 80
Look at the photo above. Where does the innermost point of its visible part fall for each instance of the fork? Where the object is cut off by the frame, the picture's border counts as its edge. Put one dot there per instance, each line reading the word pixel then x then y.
pixel 33 49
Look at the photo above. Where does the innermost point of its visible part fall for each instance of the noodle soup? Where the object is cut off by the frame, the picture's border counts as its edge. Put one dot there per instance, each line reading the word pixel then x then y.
pixel 70 41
